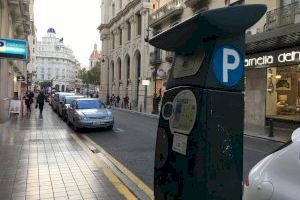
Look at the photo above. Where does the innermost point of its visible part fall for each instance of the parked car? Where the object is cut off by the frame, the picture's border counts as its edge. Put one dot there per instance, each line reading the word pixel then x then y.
pixel 61 102
pixel 89 113
pixel 65 104
pixel 51 99
pixel 58 98
pixel 276 177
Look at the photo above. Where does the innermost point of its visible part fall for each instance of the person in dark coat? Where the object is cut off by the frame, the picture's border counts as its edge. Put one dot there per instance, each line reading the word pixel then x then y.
pixel 28 102
pixel 40 101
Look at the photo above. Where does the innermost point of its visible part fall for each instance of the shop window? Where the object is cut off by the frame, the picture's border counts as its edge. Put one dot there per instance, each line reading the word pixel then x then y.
pixel 283 92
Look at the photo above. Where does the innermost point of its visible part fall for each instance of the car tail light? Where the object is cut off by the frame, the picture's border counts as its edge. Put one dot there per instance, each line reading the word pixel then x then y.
pixel 247 181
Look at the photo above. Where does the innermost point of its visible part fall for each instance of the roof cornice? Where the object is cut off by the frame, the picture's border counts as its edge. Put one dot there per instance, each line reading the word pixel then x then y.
pixel 119 15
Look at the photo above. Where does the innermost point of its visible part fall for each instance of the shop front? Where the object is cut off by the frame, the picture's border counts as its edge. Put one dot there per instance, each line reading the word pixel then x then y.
pixel 273 88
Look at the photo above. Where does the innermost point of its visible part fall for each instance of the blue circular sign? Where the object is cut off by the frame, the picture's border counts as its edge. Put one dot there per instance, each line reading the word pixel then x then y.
pixel 228 65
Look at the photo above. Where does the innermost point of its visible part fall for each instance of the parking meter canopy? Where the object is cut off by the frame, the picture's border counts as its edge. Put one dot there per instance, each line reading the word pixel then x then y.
pixel 207 41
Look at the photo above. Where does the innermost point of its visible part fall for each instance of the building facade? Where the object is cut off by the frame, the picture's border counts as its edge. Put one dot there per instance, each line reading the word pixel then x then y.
pixel 15 23
pixel 55 62
pixel 272 55
pixel 125 54
pixel 94 57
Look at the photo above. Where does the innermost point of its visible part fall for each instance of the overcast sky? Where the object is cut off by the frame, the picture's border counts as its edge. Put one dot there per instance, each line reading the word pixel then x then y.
pixel 74 20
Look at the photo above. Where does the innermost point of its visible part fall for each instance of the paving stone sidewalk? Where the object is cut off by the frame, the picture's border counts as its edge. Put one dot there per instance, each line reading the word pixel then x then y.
pixel 40 160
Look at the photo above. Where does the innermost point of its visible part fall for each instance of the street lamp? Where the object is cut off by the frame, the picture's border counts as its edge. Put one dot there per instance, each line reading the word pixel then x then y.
pixel 107 88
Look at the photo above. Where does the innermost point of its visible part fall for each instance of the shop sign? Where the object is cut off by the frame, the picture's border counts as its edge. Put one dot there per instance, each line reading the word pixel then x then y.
pixel 20 78
pixel 275 58
pixel 13 49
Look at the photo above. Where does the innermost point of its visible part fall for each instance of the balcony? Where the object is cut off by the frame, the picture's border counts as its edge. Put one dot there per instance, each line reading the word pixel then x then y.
pixel 170 9
pixel 281 30
pixel 284 16
pixel 155 57
pixel 170 56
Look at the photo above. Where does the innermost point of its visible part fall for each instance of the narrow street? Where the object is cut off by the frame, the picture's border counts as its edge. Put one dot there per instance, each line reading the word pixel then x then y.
pixel 132 143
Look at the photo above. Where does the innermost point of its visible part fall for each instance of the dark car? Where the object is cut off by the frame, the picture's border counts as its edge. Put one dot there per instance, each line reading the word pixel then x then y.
pixel 65 105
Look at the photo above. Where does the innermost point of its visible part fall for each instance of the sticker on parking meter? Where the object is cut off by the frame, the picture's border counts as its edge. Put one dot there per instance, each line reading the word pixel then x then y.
pixel 180 143
pixel 228 65
pixel 184 113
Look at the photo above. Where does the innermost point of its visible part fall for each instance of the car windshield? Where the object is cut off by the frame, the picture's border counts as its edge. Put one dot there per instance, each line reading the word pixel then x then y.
pixel 89 104
pixel 61 97
pixel 68 100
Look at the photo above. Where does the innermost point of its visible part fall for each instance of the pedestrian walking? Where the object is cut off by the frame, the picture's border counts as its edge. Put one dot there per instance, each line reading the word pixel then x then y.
pixel 40 101
pixel 118 100
pixel 126 101
pixel 28 103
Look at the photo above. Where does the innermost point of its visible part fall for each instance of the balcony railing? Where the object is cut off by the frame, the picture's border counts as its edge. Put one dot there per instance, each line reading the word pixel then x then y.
pixel 171 8
pixel 170 56
pixel 283 16
pixel 155 57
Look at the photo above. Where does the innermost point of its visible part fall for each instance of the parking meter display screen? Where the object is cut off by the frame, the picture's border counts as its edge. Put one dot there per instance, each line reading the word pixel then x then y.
pixel 184 116
pixel 189 64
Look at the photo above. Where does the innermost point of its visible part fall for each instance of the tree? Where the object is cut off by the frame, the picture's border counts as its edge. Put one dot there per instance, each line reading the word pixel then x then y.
pixel 91 76
pixel 45 84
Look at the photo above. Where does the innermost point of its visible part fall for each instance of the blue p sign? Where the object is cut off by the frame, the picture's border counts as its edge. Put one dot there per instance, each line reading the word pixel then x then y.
pixel 228 65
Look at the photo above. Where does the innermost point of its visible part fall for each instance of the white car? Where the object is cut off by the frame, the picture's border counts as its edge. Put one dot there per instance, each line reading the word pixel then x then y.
pixel 276 177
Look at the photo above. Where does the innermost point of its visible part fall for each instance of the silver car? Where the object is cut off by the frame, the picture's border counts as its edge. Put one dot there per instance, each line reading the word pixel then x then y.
pixel 89 113
pixel 58 97
pixel 65 105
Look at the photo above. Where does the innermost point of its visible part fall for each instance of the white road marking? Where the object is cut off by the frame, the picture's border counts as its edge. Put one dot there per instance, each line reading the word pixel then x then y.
pixel 118 130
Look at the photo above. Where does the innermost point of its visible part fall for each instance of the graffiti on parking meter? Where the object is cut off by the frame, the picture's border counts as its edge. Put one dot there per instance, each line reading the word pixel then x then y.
pixel 228 65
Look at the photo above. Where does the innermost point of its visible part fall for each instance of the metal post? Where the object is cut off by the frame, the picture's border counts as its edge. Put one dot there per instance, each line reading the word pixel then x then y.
pixel 271 129
pixel 145 99
pixel 154 103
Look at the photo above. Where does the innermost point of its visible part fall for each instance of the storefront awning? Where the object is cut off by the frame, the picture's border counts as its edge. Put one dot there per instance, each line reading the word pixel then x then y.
pixel 288 36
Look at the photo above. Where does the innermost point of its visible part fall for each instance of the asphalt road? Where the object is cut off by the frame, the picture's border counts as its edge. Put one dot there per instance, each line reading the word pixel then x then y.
pixel 132 142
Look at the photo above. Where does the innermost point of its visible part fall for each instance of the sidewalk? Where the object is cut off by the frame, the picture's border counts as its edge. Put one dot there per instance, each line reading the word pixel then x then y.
pixel 40 160
pixel 280 134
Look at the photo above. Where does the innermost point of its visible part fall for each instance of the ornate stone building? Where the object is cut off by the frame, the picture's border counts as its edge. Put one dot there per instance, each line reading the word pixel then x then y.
pixel 94 57
pixel 125 54
pixel 55 62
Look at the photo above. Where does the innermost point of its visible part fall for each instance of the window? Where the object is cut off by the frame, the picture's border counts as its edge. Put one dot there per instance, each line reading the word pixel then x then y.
pixel 89 104
pixel 139 24
pixel 113 10
pixel 120 37
pixel 128 31
pixel 113 41
pixel 283 92
pixel 120 4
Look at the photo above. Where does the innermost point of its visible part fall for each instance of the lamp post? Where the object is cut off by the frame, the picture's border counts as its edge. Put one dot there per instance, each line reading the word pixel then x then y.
pixel 107 88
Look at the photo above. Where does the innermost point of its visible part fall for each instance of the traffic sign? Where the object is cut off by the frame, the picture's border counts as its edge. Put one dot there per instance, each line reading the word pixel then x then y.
pixel 228 65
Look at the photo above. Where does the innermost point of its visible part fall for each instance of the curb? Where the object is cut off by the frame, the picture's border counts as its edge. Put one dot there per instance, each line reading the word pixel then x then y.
pixel 265 138
pixel 136 112
pixel 157 117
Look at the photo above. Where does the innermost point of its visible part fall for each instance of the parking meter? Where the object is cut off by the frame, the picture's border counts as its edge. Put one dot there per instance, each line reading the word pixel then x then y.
pixel 199 147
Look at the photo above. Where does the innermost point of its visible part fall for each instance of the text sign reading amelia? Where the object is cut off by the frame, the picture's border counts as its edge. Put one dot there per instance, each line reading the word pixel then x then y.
pixel 13 49
pixel 228 65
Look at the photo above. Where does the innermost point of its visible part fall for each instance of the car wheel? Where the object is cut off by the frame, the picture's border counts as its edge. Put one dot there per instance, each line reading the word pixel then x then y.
pixel 68 121
pixel 110 127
